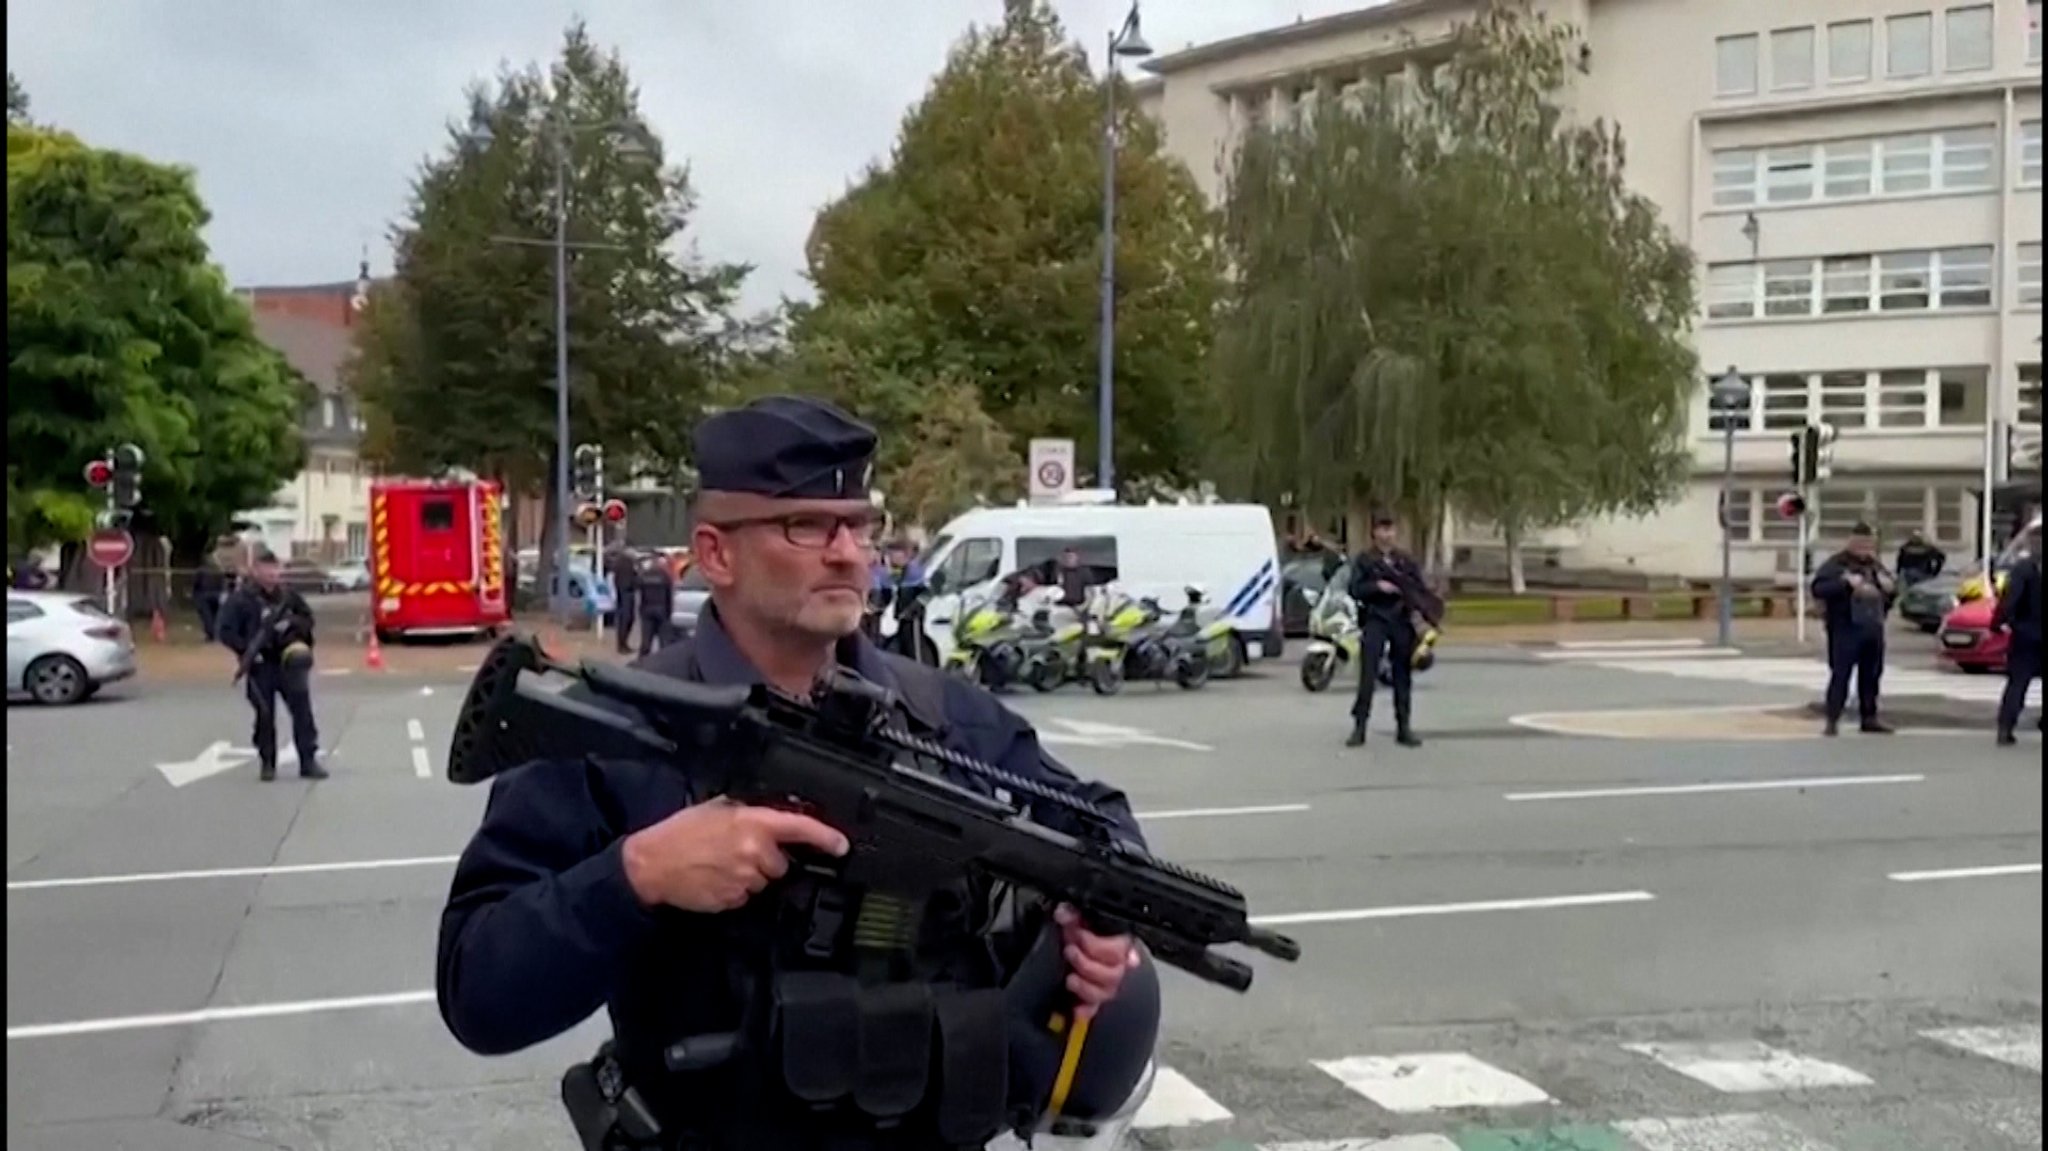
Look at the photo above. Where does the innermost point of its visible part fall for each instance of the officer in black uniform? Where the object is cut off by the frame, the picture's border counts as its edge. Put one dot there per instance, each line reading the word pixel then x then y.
pixel 269 627
pixel 657 602
pixel 1386 622
pixel 740 1021
pixel 1856 595
pixel 2019 616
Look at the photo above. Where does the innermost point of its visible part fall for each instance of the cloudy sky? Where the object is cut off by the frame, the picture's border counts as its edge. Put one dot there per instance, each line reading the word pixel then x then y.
pixel 305 121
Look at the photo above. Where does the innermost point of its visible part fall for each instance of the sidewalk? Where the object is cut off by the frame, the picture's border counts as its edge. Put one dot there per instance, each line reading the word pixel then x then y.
pixel 1747 633
pixel 181 658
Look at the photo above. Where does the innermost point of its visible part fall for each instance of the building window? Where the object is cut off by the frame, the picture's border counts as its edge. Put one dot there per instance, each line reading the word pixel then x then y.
pixel 2030 394
pixel 1901 399
pixel 1909 45
pixel 1964 394
pixel 1914 281
pixel 330 412
pixel 1967 38
pixel 1787 402
pixel 1735 63
pixel 358 544
pixel 1963 276
pixel 1845 284
pixel 2030 274
pixel 2030 153
pixel 1792 59
pixel 1849 46
pixel 1844 398
pixel 1908 165
pixel 1914 163
pixel 2033 31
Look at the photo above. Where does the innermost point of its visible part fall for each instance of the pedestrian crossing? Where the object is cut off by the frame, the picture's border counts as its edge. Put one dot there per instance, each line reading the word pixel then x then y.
pixel 1693 659
pixel 1928 1089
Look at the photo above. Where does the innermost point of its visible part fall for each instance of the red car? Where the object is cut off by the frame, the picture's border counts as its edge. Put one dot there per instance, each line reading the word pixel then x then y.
pixel 1967 640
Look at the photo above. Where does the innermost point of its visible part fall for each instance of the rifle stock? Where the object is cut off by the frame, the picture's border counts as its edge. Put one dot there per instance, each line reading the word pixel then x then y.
pixel 832 757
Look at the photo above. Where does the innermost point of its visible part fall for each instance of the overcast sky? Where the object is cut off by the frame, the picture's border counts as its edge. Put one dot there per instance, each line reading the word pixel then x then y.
pixel 306 121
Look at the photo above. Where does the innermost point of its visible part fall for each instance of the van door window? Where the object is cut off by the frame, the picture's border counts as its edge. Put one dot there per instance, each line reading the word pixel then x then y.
pixel 1097 554
pixel 437 515
pixel 973 562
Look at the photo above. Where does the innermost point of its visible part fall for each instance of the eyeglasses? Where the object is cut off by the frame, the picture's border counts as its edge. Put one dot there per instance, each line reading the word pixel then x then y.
pixel 813 529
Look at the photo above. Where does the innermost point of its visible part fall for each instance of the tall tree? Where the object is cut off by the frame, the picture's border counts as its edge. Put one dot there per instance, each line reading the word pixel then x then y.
pixel 456 363
pixel 984 227
pixel 119 330
pixel 1448 294
pixel 17 100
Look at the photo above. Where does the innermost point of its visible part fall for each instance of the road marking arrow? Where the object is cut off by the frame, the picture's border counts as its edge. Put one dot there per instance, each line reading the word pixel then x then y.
pixel 217 757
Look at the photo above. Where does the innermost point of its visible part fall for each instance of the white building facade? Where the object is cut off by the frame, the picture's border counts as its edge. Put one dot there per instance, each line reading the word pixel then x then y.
pixel 1861 183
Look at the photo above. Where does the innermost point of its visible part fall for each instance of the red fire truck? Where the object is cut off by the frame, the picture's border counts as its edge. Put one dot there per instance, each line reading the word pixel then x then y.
pixel 437 557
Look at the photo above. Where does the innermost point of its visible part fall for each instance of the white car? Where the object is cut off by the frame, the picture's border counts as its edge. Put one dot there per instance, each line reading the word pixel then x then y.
pixel 61 647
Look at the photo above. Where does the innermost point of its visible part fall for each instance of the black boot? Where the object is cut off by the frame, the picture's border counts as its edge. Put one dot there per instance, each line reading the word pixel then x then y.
pixel 267 772
pixel 1357 736
pixel 311 769
pixel 1877 727
pixel 2006 738
pixel 1406 737
pixel 1833 729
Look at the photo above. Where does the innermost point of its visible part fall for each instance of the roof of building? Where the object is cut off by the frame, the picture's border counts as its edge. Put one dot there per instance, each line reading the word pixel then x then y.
pixel 316 348
pixel 1388 12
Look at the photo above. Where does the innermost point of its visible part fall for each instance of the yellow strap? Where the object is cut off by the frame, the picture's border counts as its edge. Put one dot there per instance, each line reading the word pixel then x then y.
pixel 1070 1063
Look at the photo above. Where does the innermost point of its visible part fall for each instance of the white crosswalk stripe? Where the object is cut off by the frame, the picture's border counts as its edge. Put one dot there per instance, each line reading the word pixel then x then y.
pixel 1805 674
pixel 1746 1066
pixel 2019 1046
pixel 1718 1133
pixel 1436 1081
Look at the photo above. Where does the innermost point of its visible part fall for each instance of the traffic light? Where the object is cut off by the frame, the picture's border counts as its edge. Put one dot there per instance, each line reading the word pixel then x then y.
pixel 99 473
pixel 586 515
pixel 615 511
pixel 1791 506
pixel 127 476
pixel 1815 459
pixel 589 469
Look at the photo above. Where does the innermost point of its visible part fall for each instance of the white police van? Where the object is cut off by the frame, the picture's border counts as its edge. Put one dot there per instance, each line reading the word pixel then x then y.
pixel 1230 550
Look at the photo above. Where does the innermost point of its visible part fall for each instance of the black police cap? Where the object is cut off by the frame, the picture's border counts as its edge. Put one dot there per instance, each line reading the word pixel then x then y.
pixel 1861 528
pixel 786 447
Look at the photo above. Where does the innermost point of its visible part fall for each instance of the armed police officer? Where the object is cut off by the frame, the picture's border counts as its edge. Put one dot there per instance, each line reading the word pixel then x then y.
pixel 1856 595
pixel 743 1019
pixel 2019 616
pixel 269 627
pixel 1384 582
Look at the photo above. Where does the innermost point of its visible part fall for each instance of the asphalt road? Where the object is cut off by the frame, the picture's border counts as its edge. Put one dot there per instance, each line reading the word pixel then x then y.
pixel 1695 930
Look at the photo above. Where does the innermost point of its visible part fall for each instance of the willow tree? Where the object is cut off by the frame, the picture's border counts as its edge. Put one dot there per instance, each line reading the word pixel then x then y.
pixel 1447 296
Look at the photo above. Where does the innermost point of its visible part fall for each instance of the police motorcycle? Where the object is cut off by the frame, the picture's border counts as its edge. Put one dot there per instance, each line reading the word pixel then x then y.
pixel 1335 638
pixel 995 637
pixel 1067 646
pixel 1142 642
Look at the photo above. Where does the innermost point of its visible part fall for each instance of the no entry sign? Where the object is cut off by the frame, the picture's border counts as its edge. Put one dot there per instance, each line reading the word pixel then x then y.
pixel 111 547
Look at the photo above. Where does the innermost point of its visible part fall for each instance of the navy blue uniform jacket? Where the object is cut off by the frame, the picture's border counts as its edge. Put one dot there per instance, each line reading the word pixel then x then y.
pixel 542 928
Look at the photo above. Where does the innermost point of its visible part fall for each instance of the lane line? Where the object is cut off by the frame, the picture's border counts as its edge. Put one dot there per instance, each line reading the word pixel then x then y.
pixel 408 998
pixel 232 873
pixel 1712 788
pixel 420 766
pixel 424 769
pixel 1966 872
pixel 415 731
pixel 1626 644
pixel 1537 904
pixel 217 1015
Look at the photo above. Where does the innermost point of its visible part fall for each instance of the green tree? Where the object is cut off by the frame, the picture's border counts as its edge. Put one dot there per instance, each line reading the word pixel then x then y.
pixel 984 227
pixel 119 330
pixel 17 101
pixel 1449 296
pixel 455 366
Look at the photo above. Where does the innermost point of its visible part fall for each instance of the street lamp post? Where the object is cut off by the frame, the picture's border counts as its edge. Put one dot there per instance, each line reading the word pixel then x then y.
pixel 1126 42
pixel 1730 395
pixel 558 133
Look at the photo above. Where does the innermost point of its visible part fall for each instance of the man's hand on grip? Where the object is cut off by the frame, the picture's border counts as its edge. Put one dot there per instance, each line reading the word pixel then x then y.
pixel 714 856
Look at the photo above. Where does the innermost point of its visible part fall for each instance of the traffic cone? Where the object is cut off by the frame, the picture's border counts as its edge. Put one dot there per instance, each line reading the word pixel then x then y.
pixel 373 654
pixel 156 625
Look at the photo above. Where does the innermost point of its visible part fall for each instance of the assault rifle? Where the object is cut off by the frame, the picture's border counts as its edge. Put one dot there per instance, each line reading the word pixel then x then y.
pixel 835 758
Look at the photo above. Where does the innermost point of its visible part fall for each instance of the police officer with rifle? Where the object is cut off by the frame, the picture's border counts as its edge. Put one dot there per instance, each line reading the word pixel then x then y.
pixel 802 945
pixel 270 628
pixel 1387 587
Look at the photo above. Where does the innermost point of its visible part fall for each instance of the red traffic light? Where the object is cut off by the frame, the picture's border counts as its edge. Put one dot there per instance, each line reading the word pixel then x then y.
pixel 99 473
pixel 1791 505
pixel 615 511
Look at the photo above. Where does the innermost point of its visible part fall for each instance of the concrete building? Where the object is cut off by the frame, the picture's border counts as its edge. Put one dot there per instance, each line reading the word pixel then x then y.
pixel 322 514
pixel 1861 182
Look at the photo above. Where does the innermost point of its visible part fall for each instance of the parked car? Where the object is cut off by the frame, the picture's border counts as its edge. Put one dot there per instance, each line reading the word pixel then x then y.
pixel 1967 640
pixel 1927 603
pixel 351 576
pixel 692 593
pixel 61 647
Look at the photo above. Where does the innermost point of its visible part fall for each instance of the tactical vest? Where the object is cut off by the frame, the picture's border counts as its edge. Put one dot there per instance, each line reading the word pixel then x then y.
pixel 822 1017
